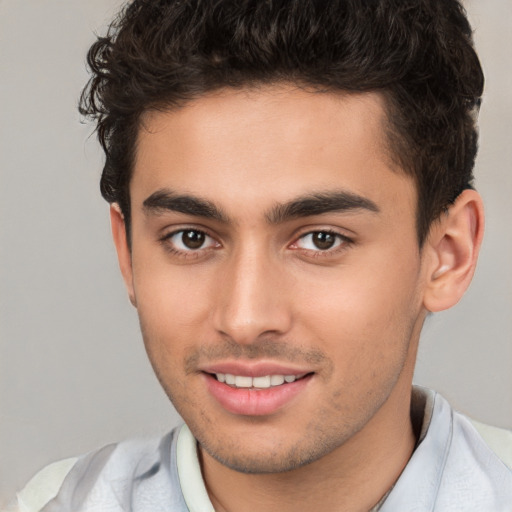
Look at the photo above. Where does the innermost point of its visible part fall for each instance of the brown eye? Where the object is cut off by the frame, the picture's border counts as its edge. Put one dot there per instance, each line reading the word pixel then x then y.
pixel 323 241
pixel 189 240
pixel 193 239
pixel 320 241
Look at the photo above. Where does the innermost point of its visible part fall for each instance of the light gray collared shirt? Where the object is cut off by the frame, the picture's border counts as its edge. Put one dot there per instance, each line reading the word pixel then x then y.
pixel 452 469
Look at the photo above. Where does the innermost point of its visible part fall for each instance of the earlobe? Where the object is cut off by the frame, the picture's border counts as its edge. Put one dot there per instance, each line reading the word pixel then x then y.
pixel 452 248
pixel 124 257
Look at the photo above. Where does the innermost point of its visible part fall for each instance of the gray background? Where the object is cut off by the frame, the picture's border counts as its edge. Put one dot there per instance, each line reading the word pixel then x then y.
pixel 73 372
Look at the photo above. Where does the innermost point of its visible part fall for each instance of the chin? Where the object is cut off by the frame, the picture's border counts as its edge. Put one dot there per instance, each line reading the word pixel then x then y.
pixel 278 457
pixel 268 463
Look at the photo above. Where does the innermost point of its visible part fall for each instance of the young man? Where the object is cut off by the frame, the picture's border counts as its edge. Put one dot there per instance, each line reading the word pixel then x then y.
pixel 291 191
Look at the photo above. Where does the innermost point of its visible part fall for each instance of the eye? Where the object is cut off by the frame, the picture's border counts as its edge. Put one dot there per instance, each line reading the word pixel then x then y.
pixel 188 240
pixel 320 241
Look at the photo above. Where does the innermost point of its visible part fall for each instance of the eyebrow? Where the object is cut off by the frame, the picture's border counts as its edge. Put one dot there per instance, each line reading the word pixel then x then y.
pixel 165 200
pixel 320 203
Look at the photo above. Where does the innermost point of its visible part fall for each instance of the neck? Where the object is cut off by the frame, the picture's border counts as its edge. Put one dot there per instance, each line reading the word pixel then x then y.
pixel 353 477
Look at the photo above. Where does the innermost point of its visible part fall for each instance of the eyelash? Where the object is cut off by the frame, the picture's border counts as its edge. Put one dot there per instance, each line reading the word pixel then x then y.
pixel 186 254
pixel 343 242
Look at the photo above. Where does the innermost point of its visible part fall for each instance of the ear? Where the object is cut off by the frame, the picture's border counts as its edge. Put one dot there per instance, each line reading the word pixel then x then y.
pixel 452 251
pixel 123 250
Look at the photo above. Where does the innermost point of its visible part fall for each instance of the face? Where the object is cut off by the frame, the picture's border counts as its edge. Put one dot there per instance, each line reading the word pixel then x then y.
pixel 275 269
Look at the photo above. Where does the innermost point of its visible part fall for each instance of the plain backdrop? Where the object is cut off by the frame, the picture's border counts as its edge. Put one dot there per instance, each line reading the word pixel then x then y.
pixel 73 372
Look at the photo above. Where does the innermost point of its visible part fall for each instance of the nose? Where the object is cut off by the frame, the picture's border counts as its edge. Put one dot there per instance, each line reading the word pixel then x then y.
pixel 252 299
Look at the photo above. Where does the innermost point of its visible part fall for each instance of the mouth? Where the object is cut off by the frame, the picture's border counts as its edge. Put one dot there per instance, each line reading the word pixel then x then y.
pixel 256 391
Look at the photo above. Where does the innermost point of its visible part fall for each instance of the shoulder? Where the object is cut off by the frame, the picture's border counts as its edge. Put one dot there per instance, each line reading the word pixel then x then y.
pixel 467 434
pixel 457 465
pixel 108 474
pixel 43 487
pixel 477 467
pixel 499 440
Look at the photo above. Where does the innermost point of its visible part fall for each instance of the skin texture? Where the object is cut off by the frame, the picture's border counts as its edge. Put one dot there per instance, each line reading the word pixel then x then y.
pixel 256 289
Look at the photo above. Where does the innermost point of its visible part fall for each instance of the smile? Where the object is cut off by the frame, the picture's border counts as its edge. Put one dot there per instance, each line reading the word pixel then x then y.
pixel 264 382
pixel 258 395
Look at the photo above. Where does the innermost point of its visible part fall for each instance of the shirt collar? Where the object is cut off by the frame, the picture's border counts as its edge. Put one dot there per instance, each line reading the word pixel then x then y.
pixel 420 479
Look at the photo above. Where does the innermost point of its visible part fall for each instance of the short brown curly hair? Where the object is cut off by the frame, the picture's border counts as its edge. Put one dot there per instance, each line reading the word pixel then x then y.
pixel 418 53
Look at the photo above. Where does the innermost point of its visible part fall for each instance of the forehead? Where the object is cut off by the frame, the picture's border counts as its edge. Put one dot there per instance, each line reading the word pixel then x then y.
pixel 252 148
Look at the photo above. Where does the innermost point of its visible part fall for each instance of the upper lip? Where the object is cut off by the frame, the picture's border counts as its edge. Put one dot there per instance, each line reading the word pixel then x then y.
pixel 254 369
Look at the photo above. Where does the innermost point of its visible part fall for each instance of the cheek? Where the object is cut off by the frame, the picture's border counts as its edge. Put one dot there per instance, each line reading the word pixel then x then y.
pixel 171 293
pixel 173 310
pixel 367 310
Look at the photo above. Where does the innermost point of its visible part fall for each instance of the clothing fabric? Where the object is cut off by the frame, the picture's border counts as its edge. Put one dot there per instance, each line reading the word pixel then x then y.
pixel 453 468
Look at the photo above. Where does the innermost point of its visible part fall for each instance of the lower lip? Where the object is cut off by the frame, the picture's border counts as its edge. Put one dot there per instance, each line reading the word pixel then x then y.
pixel 255 402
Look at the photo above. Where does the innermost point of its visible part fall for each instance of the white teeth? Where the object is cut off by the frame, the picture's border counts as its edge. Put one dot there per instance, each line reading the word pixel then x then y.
pixel 243 382
pixel 276 380
pixel 268 381
pixel 261 382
